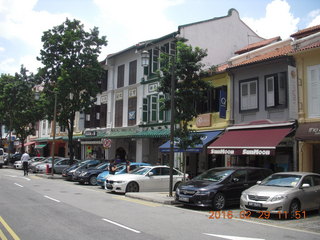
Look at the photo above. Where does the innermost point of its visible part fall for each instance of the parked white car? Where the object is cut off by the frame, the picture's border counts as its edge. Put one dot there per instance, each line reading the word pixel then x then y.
pixel 144 179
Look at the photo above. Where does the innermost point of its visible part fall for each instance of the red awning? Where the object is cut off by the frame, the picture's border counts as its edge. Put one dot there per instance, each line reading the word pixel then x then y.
pixel 249 141
pixel 29 143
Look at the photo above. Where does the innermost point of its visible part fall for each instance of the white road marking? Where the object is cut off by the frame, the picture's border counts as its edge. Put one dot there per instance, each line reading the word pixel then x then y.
pixel 51 198
pixel 18 185
pixel 15 176
pixel 232 237
pixel 120 225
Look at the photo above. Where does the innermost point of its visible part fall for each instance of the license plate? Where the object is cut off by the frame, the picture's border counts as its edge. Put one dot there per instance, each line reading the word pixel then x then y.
pixel 254 204
pixel 109 186
pixel 183 199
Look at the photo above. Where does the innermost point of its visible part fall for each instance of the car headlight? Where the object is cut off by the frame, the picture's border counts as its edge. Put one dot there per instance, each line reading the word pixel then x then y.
pixel 203 193
pixel 119 181
pixel 83 174
pixel 278 198
pixel 244 195
pixel 177 191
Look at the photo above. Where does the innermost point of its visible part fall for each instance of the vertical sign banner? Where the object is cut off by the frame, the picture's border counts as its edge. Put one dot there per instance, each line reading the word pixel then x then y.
pixel 292 93
pixel 223 103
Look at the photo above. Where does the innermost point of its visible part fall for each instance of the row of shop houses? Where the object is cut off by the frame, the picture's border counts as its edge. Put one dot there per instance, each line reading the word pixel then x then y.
pixel 264 109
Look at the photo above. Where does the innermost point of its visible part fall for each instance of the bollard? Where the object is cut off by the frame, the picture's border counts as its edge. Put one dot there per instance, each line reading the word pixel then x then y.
pixel 47 169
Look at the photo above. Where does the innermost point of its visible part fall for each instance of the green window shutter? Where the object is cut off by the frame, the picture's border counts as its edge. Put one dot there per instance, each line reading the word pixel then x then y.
pixel 154 108
pixel 145 110
pixel 161 106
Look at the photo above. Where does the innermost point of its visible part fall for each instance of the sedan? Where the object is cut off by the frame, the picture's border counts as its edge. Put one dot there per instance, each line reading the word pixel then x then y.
pixel 219 187
pixel 34 165
pixel 285 193
pixel 90 175
pixel 69 172
pixel 59 165
pixel 148 178
pixel 121 168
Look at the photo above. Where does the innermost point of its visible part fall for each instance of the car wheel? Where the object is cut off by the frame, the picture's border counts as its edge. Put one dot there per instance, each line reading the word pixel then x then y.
pixel 132 187
pixel 176 185
pixel 93 180
pixel 294 207
pixel 219 201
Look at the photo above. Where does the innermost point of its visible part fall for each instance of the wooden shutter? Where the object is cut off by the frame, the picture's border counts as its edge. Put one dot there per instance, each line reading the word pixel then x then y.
pixel 314 91
pixel 270 93
pixel 120 82
pixel 282 89
pixel 103 115
pixel 154 108
pixel 133 72
pixel 161 108
pixel 118 113
pixel 145 110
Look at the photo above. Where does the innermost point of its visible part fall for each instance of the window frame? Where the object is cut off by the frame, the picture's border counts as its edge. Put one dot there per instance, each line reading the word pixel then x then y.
pixel 248 82
pixel 278 97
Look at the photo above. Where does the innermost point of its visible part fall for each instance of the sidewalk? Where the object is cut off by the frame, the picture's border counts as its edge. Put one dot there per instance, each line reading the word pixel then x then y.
pixel 157 197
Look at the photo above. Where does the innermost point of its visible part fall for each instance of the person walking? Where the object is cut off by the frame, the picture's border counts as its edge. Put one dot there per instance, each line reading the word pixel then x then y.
pixel 24 159
pixel 127 166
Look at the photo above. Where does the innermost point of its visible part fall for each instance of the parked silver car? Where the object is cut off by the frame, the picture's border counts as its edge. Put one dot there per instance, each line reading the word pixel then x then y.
pixel 286 193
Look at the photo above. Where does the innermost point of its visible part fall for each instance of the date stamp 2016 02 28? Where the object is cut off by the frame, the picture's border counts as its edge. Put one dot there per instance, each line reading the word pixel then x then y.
pixel 248 214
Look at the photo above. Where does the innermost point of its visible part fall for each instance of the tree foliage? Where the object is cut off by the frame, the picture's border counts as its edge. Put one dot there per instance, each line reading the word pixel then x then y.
pixel 189 87
pixel 19 110
pixel 71 71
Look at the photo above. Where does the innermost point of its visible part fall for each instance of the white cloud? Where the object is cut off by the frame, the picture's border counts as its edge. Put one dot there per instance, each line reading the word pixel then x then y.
pixel 8 66
pixel 19 21
pixel 315 15
pixel 139 20
pixel 2 49
pixel 278 21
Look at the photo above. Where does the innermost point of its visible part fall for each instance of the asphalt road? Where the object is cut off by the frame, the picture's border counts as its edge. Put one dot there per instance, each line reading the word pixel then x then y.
pixel 37 208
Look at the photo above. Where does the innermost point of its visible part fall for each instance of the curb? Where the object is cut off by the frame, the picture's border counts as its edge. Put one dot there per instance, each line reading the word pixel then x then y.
pixel 49 176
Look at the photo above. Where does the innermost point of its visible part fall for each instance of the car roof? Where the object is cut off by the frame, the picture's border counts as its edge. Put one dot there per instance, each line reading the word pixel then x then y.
pixel 238 167
pixel 297 173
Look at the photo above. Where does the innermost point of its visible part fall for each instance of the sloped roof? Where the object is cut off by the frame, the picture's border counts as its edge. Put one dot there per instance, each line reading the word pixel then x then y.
pixel 310 46
pixel 256 45
pixel 277 53
pixel 305 32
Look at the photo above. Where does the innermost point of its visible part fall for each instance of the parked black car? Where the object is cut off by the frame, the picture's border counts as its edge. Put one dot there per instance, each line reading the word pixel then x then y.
pixel 219 187
pixel 68 172
pixel 15 157
pixel 90 175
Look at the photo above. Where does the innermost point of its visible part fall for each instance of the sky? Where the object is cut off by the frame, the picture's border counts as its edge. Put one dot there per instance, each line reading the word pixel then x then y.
pixel 127 22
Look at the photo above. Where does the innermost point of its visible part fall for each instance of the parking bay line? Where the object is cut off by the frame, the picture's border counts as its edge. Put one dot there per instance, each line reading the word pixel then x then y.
pixel 146 203
pixel 9 229
pixel 18 185
pixel 120 225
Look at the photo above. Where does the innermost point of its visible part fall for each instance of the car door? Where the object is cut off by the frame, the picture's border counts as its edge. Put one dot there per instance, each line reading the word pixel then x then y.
pixel 153 182
pixel 236 184
pixel 61 165
pixel 309 196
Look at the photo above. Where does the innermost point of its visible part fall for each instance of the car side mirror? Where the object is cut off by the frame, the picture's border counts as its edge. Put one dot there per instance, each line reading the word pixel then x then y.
pixel 235 180
pixel 150 174
pixel 305 185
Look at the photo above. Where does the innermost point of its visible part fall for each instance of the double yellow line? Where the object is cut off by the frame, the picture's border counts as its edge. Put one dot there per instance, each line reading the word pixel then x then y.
pixel 9 229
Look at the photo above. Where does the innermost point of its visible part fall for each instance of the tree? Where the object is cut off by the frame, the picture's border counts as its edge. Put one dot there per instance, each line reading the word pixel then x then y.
pixel 20 111
pixel 71 71
pixel 189 88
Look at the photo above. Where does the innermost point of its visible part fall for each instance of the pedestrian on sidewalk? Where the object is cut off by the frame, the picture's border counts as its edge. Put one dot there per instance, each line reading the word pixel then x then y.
pixel 25 161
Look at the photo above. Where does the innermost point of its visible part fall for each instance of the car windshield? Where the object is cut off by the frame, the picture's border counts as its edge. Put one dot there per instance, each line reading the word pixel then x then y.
pixel 214 175
pixel 120 168
pixel 282 180
pixel 141 170
pixel 102 165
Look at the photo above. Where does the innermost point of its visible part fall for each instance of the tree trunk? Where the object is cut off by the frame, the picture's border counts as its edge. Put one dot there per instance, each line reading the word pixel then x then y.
pixel 70 138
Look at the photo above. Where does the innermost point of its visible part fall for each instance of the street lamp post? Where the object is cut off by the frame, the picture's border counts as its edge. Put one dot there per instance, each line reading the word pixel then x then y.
pixel 145 62
pixel 54 131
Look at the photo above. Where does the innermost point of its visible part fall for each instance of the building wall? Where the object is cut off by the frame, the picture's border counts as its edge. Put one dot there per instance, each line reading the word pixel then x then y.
pixel 222 36
pixel 259 71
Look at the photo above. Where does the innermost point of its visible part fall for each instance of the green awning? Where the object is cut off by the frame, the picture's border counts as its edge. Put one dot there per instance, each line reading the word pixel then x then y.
pixel 156 133
pixel 40 146
pixel 120 134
